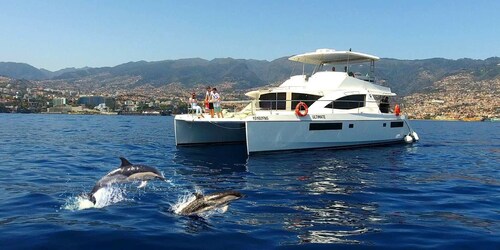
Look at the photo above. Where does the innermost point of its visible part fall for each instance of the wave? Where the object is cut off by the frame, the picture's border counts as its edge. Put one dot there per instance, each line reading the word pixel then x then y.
pixel 188 197
pixel 104 197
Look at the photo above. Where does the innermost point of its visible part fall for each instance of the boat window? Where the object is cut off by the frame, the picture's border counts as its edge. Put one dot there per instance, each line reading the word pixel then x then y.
pixel 384 104
pixel 396 124
pixel 306 98
pixel 273 101
pixel 325 126
pixel 348 102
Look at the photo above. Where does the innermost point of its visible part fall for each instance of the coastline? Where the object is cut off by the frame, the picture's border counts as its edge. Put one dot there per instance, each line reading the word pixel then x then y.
pixel 157 113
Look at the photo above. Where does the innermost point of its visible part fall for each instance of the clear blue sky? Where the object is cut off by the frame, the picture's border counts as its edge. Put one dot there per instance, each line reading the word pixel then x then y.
pixel 55 34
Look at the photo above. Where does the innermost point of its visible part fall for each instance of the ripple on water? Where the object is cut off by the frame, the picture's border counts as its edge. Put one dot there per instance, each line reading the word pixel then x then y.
pixel 439 193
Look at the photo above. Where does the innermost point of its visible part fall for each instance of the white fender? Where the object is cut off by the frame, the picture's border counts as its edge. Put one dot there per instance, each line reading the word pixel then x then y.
pixel 408 139
pixel 414 135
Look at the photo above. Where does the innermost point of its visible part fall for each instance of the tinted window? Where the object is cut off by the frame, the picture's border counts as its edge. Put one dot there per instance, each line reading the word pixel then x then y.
pixel 325 126
pixel 348 102
pixel 396 124
pixel 307 98
pixel 272 101
pixel 384 105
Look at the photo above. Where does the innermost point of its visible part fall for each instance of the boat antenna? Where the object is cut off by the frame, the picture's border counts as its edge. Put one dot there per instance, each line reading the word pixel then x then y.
pixel 348 58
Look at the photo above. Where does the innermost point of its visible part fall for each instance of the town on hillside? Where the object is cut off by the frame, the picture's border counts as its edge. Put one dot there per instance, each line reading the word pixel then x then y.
pixel 24 96
pixel 456 97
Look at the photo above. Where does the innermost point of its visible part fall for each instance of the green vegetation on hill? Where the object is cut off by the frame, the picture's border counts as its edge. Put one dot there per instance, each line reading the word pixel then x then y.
pixel 403 76
pixel 21 71
pixel 410 76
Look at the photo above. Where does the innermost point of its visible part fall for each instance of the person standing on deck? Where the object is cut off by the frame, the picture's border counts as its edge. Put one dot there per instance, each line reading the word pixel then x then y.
pixel 210 102
pixel 208 97
pixel 216 102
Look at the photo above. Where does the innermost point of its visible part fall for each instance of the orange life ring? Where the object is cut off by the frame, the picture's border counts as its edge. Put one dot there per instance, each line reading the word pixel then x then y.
pixel 300 112
pixel 397 110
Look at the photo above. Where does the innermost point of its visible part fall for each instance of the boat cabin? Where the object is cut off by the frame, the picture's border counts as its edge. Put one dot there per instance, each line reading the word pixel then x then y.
pixel 331 86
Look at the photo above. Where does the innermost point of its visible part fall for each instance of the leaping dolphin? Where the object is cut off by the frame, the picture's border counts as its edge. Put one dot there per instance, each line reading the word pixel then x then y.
pixel 204 203
pixel 127 172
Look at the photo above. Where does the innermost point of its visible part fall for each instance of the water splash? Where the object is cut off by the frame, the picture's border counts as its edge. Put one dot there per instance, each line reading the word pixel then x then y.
pixel 104 197
pixel 182 202
pixel 189 197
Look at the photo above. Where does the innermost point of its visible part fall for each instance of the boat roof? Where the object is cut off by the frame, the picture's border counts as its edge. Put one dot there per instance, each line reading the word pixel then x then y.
pixel 330 56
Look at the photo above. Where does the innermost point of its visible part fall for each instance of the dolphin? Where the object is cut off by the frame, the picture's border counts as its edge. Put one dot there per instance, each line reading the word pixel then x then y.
pixel 204 203
pixel 127 172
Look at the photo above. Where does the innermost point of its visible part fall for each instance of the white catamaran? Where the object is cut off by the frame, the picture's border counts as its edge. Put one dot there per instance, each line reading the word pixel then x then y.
pixel 327 109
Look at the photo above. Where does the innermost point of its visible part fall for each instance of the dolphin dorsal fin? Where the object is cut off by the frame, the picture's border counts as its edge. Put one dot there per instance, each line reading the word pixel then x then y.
pixel 125 162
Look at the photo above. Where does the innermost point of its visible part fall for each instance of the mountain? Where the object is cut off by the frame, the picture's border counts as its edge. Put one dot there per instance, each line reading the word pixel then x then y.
pixel 21 71
pixel 28 72
pixel 403 76
pixel 409 76
pixel 191 72
pixel 54 74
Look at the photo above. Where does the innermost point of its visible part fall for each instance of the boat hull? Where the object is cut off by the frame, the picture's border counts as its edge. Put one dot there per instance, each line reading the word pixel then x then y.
pixel 293 135
pixel 289 132
pixel 190 132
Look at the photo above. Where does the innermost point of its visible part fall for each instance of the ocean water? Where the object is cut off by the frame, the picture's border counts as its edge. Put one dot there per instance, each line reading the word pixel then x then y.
pixel 443 192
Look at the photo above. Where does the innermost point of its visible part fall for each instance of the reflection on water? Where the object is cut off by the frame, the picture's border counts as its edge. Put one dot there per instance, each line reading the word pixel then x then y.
pixel 195 225
pixel 340 222
pixel 467 221
pixel 323 191
pixel 338 196
pixel 218 159
pixel 211 168
pixel 317 199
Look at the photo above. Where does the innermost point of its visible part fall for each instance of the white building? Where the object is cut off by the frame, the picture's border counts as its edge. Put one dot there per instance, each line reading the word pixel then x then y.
pixel 58 102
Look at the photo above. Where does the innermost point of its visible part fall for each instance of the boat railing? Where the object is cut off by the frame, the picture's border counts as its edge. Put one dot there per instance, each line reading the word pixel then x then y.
pixel 334 105
pixel 250 107
pixel 245 106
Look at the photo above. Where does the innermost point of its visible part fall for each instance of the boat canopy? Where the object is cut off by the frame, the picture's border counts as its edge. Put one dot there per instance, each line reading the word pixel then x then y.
pixel 253 94
pixel 330 56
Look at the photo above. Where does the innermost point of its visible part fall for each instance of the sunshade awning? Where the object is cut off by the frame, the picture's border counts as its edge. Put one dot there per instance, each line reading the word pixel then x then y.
pixel 329 56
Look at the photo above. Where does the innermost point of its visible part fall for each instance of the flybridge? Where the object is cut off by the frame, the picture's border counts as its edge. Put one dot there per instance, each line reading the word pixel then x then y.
pixel 345 59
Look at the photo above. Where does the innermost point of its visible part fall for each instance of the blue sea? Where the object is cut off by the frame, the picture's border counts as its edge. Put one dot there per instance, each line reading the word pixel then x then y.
pixel 442 192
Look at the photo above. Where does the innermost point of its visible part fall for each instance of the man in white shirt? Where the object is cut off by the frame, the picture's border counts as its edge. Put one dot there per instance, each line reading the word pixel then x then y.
pixel 216 102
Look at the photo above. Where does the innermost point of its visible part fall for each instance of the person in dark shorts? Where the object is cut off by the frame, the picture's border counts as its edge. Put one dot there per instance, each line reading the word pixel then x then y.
pixel 209 98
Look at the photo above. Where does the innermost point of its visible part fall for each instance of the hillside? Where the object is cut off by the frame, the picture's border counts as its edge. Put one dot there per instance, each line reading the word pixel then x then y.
pixel 403 76
pixel 21 71
pixel 410 76
pixel 464 96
